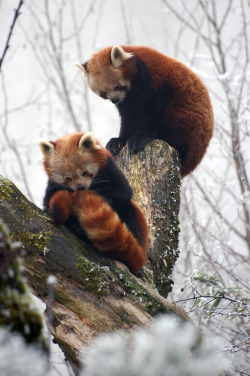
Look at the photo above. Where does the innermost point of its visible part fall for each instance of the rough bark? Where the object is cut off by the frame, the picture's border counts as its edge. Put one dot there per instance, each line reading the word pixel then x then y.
pixel 93 294
pixel 154 175
pixel 18 312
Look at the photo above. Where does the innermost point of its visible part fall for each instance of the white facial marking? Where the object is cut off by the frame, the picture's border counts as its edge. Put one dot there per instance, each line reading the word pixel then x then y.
pixel 56 177
pixel 92 168
pixel 125 83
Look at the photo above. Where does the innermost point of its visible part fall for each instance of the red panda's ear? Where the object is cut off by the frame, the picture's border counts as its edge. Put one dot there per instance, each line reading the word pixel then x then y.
pixel 118 56
pixel 88 142
pixel 83 68
pixel 47 148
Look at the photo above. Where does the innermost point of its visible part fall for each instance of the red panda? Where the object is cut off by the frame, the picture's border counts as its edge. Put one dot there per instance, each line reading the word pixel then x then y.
pixel 157 97
pixel 88 193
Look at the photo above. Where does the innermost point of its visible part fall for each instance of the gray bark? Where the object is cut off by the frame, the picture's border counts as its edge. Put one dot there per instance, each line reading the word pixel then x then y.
pixel 154 175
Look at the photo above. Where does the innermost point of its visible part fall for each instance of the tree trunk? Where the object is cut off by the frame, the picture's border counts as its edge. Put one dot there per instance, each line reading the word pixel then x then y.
pixel 154 175
pixel 94 294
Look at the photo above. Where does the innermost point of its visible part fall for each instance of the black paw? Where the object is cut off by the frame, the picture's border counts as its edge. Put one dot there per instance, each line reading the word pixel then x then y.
pixel 137 142
pixel 115 145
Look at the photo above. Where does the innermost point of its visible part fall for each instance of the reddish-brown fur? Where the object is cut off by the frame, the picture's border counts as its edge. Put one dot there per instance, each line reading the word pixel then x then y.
pixel 174 104
pixel 104 210
pixel 102 225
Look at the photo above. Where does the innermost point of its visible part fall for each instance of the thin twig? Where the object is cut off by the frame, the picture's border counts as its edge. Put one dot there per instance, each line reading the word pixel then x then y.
pixel 17 13
pixel 59 66
pixel 11 143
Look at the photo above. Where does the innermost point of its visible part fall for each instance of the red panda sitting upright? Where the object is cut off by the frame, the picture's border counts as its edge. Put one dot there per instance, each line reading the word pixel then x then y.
pixel 89 194
pixel 157 97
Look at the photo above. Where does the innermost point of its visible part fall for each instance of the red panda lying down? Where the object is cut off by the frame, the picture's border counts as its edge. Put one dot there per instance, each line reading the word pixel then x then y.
pixel 89 194
pixel 157 97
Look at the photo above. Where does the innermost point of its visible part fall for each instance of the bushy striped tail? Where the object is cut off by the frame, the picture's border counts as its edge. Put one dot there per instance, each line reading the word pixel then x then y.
pixel 106 231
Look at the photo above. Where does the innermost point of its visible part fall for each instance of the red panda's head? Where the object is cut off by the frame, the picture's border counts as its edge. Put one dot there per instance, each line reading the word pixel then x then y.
pixel 106 73
pixel 73 160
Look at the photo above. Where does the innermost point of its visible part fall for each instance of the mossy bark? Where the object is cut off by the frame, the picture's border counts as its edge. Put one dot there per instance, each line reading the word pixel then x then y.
pixel 93 294
pixel 18 313
pixel 154 175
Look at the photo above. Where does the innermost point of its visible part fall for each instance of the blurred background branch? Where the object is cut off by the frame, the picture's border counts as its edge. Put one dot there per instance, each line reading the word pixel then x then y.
pixel 7 44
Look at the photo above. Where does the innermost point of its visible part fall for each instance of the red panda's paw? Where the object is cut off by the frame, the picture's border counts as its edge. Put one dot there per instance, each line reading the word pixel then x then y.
pixel 138 141
pixel 115 145
pixel 59 207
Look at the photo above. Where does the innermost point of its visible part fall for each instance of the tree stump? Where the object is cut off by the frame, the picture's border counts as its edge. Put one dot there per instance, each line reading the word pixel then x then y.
pixel 154 175
pixel 95 294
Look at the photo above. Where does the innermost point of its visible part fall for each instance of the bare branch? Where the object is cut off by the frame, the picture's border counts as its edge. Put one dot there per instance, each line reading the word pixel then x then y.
pixel 126 25
pixel 11 143
pixel 188 24
pixel 216 210
pixel 77 28
pixel 17 13
pixel 79 49
pixel 227 11
pixel 60 69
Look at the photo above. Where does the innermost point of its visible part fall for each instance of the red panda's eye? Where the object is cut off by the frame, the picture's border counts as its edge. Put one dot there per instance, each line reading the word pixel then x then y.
pixel 116 87
pixel 124 88
pixel 84 173
pixel 68 179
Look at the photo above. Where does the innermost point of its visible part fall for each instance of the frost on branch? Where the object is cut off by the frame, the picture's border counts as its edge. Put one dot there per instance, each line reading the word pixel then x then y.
pixel 18 358
pixel 169 347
